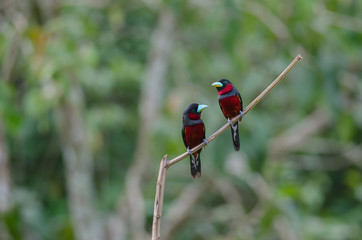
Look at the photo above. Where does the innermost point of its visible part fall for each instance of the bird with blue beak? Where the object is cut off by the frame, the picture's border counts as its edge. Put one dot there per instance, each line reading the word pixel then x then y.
pixel 193 133
pixel 231 105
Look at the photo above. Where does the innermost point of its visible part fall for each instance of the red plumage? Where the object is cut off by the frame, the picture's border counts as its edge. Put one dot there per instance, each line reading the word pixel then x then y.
pixel 231 105
pixel 193 133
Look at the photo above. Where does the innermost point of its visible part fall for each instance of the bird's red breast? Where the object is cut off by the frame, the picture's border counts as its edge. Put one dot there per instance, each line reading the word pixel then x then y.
pixel 230 106
pixel 194 134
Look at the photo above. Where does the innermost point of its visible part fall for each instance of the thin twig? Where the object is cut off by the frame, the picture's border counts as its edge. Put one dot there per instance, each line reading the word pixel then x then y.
pixel 160 188
pixel 246 110
pixel 161 179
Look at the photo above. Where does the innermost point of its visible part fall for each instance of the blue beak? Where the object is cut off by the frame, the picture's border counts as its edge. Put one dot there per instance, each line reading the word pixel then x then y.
pixel 201 107
pixel 217 84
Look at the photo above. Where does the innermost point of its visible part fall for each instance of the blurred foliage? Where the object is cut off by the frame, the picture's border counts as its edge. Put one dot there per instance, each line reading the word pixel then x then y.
pixel 312 192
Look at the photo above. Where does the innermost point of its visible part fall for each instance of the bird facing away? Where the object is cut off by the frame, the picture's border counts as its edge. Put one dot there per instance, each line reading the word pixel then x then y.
pixel 231 105
pixel 193 133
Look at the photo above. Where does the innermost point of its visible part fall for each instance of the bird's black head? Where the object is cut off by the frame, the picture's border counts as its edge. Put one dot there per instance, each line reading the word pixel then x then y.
pixel 193 111
pixel 223 86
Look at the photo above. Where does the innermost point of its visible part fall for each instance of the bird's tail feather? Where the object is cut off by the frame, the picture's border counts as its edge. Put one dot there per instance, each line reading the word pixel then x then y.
pixel 235 136
pixel 195 165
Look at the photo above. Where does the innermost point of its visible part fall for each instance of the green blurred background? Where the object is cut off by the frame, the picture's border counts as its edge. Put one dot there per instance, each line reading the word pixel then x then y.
pixel 91 98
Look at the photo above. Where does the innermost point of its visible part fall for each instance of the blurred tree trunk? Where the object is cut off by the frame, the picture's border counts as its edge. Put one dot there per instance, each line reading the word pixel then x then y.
pixel 79 167
pixel 5 193
pixel 149 107
pixel 5 203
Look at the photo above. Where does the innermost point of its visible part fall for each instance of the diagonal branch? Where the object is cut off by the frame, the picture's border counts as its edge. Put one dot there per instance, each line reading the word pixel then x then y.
pixel 165 164
pixel 237 118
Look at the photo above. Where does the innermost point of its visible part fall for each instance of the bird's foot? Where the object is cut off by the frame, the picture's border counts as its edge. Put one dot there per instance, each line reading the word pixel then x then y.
pixel 242 114
pixel 230 122
pixel 205 141
pixel 189 151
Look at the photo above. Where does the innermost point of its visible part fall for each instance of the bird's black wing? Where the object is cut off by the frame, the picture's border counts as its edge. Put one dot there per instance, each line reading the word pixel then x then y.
pixel 222 109
pixel 184 134
pixel 241 101
pixel 203 126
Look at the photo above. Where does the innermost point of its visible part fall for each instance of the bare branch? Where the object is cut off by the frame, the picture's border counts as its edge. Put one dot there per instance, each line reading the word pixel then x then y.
pixel 161 179
pixel 246 110
pixel 160 188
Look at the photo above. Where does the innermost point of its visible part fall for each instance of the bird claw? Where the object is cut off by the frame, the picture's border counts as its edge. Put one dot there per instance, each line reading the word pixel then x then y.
pixel 230 122
pixel 205 141
pixel 242 114
pixel 189 151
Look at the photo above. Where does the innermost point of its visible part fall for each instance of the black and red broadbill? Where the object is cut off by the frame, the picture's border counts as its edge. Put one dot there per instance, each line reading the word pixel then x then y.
pixel 231 105
pixel 193 133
